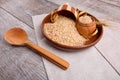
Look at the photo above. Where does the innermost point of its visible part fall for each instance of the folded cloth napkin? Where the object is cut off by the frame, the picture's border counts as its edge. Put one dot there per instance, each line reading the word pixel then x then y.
pixel 85 62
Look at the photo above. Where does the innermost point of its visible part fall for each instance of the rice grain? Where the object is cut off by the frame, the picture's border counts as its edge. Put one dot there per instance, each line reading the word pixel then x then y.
pixel 63 31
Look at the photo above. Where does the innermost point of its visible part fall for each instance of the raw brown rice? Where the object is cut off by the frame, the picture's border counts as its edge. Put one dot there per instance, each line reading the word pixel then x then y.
pixel 85 19
pixel 63 31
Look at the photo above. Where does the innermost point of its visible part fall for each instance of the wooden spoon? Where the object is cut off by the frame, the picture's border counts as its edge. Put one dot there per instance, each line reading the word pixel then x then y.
pixel 17 36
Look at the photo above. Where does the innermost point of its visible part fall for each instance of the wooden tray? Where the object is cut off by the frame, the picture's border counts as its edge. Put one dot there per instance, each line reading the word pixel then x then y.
pixel 88 43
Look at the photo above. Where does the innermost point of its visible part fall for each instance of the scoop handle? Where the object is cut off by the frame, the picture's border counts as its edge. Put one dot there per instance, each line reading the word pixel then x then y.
pixel 48 55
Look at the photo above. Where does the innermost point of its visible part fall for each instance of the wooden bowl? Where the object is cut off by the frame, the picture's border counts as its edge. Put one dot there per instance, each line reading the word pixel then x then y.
pixel 86 29
pixel 93 40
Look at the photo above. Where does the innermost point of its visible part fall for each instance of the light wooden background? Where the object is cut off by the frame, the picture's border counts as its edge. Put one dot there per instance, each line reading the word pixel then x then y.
pixel 20 63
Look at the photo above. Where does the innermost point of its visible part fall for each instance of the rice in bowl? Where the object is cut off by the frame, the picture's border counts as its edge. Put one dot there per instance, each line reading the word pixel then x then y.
pixel 63 31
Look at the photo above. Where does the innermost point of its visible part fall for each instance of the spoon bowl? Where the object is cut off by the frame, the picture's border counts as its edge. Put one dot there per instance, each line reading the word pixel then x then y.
pixel 17 36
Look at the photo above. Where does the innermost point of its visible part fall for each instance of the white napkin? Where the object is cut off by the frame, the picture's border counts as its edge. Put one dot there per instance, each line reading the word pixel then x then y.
pixel 85 64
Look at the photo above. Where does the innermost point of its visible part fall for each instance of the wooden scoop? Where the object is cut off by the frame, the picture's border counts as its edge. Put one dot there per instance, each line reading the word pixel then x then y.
pixel 17 36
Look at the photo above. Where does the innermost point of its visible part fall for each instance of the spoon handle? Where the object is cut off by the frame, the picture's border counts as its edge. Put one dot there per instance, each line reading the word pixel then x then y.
pixel 48 55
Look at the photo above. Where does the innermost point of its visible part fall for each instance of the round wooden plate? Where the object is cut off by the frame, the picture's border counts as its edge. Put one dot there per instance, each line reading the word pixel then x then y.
pixel 88 43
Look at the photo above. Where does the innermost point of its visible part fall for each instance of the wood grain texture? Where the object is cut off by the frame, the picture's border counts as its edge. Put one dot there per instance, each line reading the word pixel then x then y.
pixel 112 2
pixel 18 63
pixel 107 11
pixel 24 9
pixel 86 64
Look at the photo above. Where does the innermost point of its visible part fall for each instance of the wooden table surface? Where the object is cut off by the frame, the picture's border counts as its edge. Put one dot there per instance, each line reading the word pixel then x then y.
pixel 20 63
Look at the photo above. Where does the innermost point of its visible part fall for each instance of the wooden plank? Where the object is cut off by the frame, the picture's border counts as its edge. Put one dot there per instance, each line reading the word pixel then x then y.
pixel 86 64
pixel 71 2
pixel 112 2
pixel 18 63
pixel 24 9
pixel 108 11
